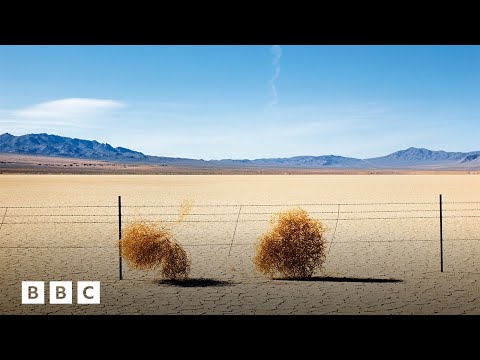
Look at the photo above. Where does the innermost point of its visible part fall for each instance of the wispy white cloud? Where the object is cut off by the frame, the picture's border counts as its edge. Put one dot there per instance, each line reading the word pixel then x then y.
pixel 67 108
pixel 74 116
pixel 277 54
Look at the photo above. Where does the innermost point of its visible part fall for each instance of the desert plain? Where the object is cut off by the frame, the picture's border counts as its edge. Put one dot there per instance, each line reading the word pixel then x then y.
pixel 383 242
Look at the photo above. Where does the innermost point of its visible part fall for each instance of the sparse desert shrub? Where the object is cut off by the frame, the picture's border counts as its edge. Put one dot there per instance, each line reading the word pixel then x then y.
pixel 146 246
pixel 294 246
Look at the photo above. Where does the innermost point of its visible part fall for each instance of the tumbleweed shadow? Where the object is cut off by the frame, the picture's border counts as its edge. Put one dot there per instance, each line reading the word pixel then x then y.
pixel 344 279
pixel 195 282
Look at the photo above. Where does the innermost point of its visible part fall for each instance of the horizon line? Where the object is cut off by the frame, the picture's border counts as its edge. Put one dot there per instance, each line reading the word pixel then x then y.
pixel 242 159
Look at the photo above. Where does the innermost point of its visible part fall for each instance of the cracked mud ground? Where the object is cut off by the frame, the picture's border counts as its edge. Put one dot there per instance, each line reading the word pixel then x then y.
pixel 373 266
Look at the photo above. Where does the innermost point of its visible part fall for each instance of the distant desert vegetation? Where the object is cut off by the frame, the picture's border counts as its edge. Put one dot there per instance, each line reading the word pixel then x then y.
pixel 32 164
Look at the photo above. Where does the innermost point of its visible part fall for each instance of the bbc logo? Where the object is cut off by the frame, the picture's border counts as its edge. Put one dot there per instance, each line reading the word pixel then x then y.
pixel 61 292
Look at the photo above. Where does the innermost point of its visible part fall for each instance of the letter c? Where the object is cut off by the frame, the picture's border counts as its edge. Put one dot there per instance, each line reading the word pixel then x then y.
pixel 85 292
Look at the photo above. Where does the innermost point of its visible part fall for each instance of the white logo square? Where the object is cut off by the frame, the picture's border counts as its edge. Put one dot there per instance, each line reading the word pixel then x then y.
pixel 33 292
pixel 88 292
pixel 61 292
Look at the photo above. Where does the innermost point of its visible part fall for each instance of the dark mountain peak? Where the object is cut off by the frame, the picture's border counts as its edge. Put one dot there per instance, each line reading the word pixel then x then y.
pixel 422 154
pixel 54 145
pixel 413 151
pixel 413 156
pixel 300 161
pixel 42 137
pixel 473 156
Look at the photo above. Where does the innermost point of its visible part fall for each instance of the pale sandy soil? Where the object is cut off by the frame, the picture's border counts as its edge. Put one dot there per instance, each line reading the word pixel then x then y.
pixel 372 248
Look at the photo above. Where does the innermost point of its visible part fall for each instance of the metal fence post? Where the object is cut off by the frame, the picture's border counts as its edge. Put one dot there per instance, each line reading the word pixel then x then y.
pixel 441 236
pixel 120 237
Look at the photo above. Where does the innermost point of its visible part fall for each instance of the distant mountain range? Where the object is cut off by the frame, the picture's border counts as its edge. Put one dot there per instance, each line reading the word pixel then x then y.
pixel 59 146
pixel 53 145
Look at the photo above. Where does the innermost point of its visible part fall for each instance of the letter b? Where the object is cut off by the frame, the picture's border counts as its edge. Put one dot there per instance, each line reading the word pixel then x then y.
pixel 60 292
pixel 33 292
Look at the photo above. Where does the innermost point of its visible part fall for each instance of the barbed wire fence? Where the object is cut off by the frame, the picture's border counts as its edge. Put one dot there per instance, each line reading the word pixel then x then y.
pixel 427 210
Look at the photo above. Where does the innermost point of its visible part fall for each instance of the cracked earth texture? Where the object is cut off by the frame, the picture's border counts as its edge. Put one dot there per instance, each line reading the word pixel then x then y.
pixel 375 266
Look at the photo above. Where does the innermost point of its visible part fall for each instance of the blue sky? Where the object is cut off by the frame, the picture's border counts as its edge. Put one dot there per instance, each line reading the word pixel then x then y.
pixel 215 102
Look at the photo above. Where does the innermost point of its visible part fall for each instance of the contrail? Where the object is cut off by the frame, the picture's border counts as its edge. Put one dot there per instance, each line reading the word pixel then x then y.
pixel 277 54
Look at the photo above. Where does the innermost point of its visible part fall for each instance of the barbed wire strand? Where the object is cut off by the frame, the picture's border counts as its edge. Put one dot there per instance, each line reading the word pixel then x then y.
pixel 58 247
pixel 278 205
pixel 243 213
pixel 230 205
pixel 244 205
pixel 238 244
pixel 59 206
pixel 227 221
